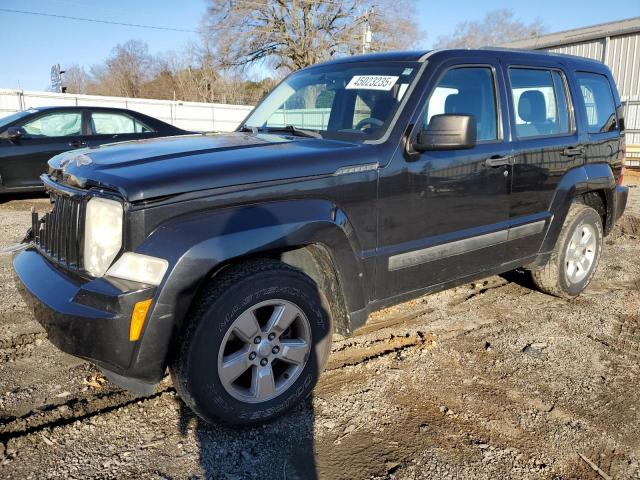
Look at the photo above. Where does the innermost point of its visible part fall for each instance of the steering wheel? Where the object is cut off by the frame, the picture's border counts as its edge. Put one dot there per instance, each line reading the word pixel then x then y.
pixel 374 122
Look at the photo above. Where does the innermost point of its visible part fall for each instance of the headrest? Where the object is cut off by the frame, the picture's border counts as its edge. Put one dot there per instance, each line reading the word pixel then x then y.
pixel 532 106
pixel 463 102
pixel 451 103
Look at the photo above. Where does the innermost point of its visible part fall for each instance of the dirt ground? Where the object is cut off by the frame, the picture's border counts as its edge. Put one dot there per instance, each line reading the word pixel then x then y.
pixel 488 380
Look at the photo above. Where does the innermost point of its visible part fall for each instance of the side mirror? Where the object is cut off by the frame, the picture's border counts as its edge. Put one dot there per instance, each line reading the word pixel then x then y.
pixel 14 133
pixel 448 132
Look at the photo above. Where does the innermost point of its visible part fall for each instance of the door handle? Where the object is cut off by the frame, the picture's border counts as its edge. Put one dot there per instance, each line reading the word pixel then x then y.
pixel 573 151
pixel 77 143
pixel 499 161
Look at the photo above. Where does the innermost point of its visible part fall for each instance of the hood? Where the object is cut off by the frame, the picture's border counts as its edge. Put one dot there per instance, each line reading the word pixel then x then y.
pixel 146 169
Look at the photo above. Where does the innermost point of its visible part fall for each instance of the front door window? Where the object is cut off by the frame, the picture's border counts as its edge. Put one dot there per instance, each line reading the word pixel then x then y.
pixel 60 124
pixel 470 91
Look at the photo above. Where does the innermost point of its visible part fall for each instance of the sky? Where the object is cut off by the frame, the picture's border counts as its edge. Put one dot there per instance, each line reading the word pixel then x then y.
pixel 32 44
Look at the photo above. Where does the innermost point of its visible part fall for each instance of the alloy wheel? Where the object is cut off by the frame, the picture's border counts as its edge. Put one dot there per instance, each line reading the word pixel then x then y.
pixel 264 351
pixel 580 254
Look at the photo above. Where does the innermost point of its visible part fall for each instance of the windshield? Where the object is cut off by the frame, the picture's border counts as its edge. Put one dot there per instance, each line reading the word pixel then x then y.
pixel 353 102
pixel 4 121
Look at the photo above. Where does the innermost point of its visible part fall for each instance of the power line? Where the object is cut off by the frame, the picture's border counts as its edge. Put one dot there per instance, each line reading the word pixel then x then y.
pixel 94 20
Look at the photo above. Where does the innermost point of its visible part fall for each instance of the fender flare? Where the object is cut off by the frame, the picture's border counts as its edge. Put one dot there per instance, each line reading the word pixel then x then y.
pixel 198 244
pixel 577 181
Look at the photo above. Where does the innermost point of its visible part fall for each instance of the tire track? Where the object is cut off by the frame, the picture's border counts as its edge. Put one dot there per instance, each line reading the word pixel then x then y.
pixel 624 336
pixel 76 409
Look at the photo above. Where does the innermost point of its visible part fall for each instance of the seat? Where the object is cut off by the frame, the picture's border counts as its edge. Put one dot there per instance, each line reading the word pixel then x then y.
pixel 470 103
pixel 532 108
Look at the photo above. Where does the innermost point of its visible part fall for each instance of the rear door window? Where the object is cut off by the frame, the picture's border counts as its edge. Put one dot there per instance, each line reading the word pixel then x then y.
pixel 540 102
pixel 598 101
pixel 469 91
pixel 108 123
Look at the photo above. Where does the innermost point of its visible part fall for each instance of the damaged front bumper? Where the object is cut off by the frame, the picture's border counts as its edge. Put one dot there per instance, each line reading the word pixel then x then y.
pixel 87 318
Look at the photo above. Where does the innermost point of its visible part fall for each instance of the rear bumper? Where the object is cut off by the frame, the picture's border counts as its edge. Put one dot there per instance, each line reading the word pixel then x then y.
pixel 86 318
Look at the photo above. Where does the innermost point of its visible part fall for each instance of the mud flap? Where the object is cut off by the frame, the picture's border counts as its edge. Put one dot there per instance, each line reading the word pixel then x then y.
pixel 131 384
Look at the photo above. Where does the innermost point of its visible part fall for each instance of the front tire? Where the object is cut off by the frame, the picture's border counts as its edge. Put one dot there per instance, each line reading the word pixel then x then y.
pixel 255 344
pixel 575 257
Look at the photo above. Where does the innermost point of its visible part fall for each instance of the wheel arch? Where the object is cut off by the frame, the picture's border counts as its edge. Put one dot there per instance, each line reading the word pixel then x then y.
pixel 314 236
pixel 591 184
pixel 314 260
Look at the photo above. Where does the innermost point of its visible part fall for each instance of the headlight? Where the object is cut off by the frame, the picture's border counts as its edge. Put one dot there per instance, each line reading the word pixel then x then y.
pixel 139 268
pixel 102 234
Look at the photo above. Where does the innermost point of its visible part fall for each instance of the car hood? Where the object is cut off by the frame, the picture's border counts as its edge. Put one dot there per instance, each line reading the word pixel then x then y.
pixel 147 169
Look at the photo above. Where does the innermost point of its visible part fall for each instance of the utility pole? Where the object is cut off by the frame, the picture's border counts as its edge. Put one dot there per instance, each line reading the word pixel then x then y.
pixel 366 32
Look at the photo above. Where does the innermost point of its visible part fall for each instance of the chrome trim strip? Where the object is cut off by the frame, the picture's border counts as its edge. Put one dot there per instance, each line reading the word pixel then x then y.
pixel 356 168
pixel 466 245
pixel 527 230
pixel 50 184
pixel 429 254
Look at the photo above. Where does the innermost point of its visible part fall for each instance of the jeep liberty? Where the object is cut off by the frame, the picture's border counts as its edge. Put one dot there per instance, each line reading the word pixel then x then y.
pixel 232 259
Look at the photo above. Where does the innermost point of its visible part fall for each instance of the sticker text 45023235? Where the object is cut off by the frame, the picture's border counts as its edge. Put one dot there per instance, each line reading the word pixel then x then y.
pixel 372 82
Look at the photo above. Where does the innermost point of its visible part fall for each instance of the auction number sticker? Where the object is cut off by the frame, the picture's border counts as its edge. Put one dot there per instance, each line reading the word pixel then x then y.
pixel 372 82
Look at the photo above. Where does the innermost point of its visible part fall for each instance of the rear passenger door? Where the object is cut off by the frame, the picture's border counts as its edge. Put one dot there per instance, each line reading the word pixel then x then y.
pixel 546 144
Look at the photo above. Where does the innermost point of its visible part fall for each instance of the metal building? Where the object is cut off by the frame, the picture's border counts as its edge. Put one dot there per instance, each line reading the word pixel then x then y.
pixel 617 44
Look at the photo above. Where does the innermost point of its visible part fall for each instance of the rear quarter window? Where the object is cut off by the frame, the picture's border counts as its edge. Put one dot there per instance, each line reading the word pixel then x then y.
pixel 598 102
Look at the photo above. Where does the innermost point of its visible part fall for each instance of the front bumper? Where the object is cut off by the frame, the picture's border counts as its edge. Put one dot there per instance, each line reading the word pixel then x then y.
pixel 85 318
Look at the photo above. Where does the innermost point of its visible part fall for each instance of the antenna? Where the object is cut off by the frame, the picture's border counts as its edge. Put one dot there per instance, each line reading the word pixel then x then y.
pixel 366 32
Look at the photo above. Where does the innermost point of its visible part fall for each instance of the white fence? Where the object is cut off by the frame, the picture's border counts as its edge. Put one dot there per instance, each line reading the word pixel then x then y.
pixel 313 118
pixel 188 115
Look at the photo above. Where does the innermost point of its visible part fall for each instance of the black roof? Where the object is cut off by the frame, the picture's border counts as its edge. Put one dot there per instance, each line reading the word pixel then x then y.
pixel 75 107
pixel 397 56
pixel 422 55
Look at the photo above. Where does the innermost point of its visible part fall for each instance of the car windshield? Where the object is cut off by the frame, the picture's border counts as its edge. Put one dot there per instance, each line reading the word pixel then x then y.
pixel 4 121
pixel 353 102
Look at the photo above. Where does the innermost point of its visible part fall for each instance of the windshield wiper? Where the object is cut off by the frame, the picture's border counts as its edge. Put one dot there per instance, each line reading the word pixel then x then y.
pixel 300 132
pixel 245 128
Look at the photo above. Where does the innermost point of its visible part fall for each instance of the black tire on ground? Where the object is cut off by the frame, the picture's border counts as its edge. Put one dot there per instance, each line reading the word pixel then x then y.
pixel 553 277
pixel 194 367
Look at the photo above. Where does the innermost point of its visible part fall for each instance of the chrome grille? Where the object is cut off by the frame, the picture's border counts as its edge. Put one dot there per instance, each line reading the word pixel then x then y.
pixel 58 234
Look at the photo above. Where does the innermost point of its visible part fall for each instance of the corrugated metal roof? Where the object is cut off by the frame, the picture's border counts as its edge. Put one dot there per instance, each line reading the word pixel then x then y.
pixel 577 35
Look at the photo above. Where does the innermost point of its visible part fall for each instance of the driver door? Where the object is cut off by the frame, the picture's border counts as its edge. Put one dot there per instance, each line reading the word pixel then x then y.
pixel 443 215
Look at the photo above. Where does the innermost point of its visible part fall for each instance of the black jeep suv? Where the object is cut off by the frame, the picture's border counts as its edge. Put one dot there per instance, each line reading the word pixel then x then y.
pixel 356 184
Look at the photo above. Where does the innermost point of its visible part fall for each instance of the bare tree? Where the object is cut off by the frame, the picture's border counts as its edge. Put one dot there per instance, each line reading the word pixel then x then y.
pixel 76 79
pixel 497 27
pixel 193 74
pixel 293 34
pixel 125 71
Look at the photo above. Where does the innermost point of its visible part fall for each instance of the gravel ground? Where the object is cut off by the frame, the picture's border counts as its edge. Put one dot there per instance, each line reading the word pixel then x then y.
pixel 488 380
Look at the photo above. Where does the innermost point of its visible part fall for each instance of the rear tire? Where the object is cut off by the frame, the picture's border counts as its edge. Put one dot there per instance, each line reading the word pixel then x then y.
pixel 575 257
pixel 257 339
